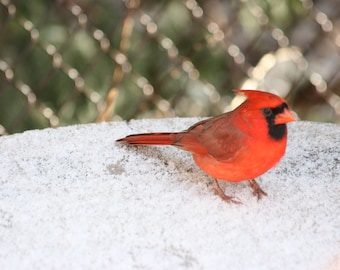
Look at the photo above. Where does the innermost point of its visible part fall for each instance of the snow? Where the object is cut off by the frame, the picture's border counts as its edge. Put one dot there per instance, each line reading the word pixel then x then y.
pixel 72 198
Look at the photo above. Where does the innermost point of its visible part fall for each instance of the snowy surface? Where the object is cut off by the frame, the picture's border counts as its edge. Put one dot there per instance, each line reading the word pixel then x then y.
pixel 71 198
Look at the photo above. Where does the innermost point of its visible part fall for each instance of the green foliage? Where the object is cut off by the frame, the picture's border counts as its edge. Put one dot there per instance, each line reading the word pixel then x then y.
pixel 68 55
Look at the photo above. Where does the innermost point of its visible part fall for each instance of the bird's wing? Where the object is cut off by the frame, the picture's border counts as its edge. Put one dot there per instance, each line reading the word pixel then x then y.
pixel 215 136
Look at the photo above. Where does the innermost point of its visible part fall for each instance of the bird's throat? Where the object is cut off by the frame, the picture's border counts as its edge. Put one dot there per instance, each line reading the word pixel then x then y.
pixel 276 132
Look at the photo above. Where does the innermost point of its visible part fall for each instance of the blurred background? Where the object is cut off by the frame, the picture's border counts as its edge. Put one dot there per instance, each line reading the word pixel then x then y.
pixel 66 62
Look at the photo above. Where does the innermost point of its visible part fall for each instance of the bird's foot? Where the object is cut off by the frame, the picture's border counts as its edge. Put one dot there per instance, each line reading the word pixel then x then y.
pixel 218 191
pixel 257 190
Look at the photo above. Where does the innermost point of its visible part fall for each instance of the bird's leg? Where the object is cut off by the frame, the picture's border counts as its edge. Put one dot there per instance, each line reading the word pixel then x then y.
pixel 257 190
pixel 218 191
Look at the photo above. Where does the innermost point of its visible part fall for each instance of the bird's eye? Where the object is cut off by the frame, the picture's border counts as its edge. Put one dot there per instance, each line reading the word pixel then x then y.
pixel 267 112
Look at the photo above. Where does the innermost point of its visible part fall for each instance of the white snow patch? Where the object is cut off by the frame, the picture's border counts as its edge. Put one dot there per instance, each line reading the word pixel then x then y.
pixel 72 198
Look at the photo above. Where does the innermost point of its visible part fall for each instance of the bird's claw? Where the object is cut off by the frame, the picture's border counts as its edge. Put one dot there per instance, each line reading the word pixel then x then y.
pixel 257 190
pixel 229 199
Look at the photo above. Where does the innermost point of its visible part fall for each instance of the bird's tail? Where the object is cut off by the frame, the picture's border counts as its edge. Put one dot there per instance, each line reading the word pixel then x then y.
pixel 164 138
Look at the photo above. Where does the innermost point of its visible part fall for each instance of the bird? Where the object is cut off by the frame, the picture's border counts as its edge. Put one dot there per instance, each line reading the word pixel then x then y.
pixel 239 145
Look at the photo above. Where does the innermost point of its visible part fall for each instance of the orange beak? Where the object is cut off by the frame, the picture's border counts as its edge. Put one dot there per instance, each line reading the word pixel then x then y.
pixel 284 117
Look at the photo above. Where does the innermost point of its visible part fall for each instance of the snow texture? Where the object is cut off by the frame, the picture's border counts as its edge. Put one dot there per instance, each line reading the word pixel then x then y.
pixel 72 198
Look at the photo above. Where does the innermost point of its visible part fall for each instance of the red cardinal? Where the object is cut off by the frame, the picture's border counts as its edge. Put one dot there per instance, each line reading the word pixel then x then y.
pixel 234 146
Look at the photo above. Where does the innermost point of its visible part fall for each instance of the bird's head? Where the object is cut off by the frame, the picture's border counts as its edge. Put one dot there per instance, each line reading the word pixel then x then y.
pixel 272 108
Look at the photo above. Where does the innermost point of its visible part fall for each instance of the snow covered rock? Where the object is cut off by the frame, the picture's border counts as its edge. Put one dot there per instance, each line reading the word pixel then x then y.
pixel 72 198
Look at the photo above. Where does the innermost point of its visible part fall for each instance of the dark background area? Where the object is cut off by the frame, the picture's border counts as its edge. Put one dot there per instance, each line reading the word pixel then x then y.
pixel 69 62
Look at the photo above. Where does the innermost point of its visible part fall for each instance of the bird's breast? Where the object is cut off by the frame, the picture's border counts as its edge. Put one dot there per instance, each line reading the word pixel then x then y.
pixel 249 162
